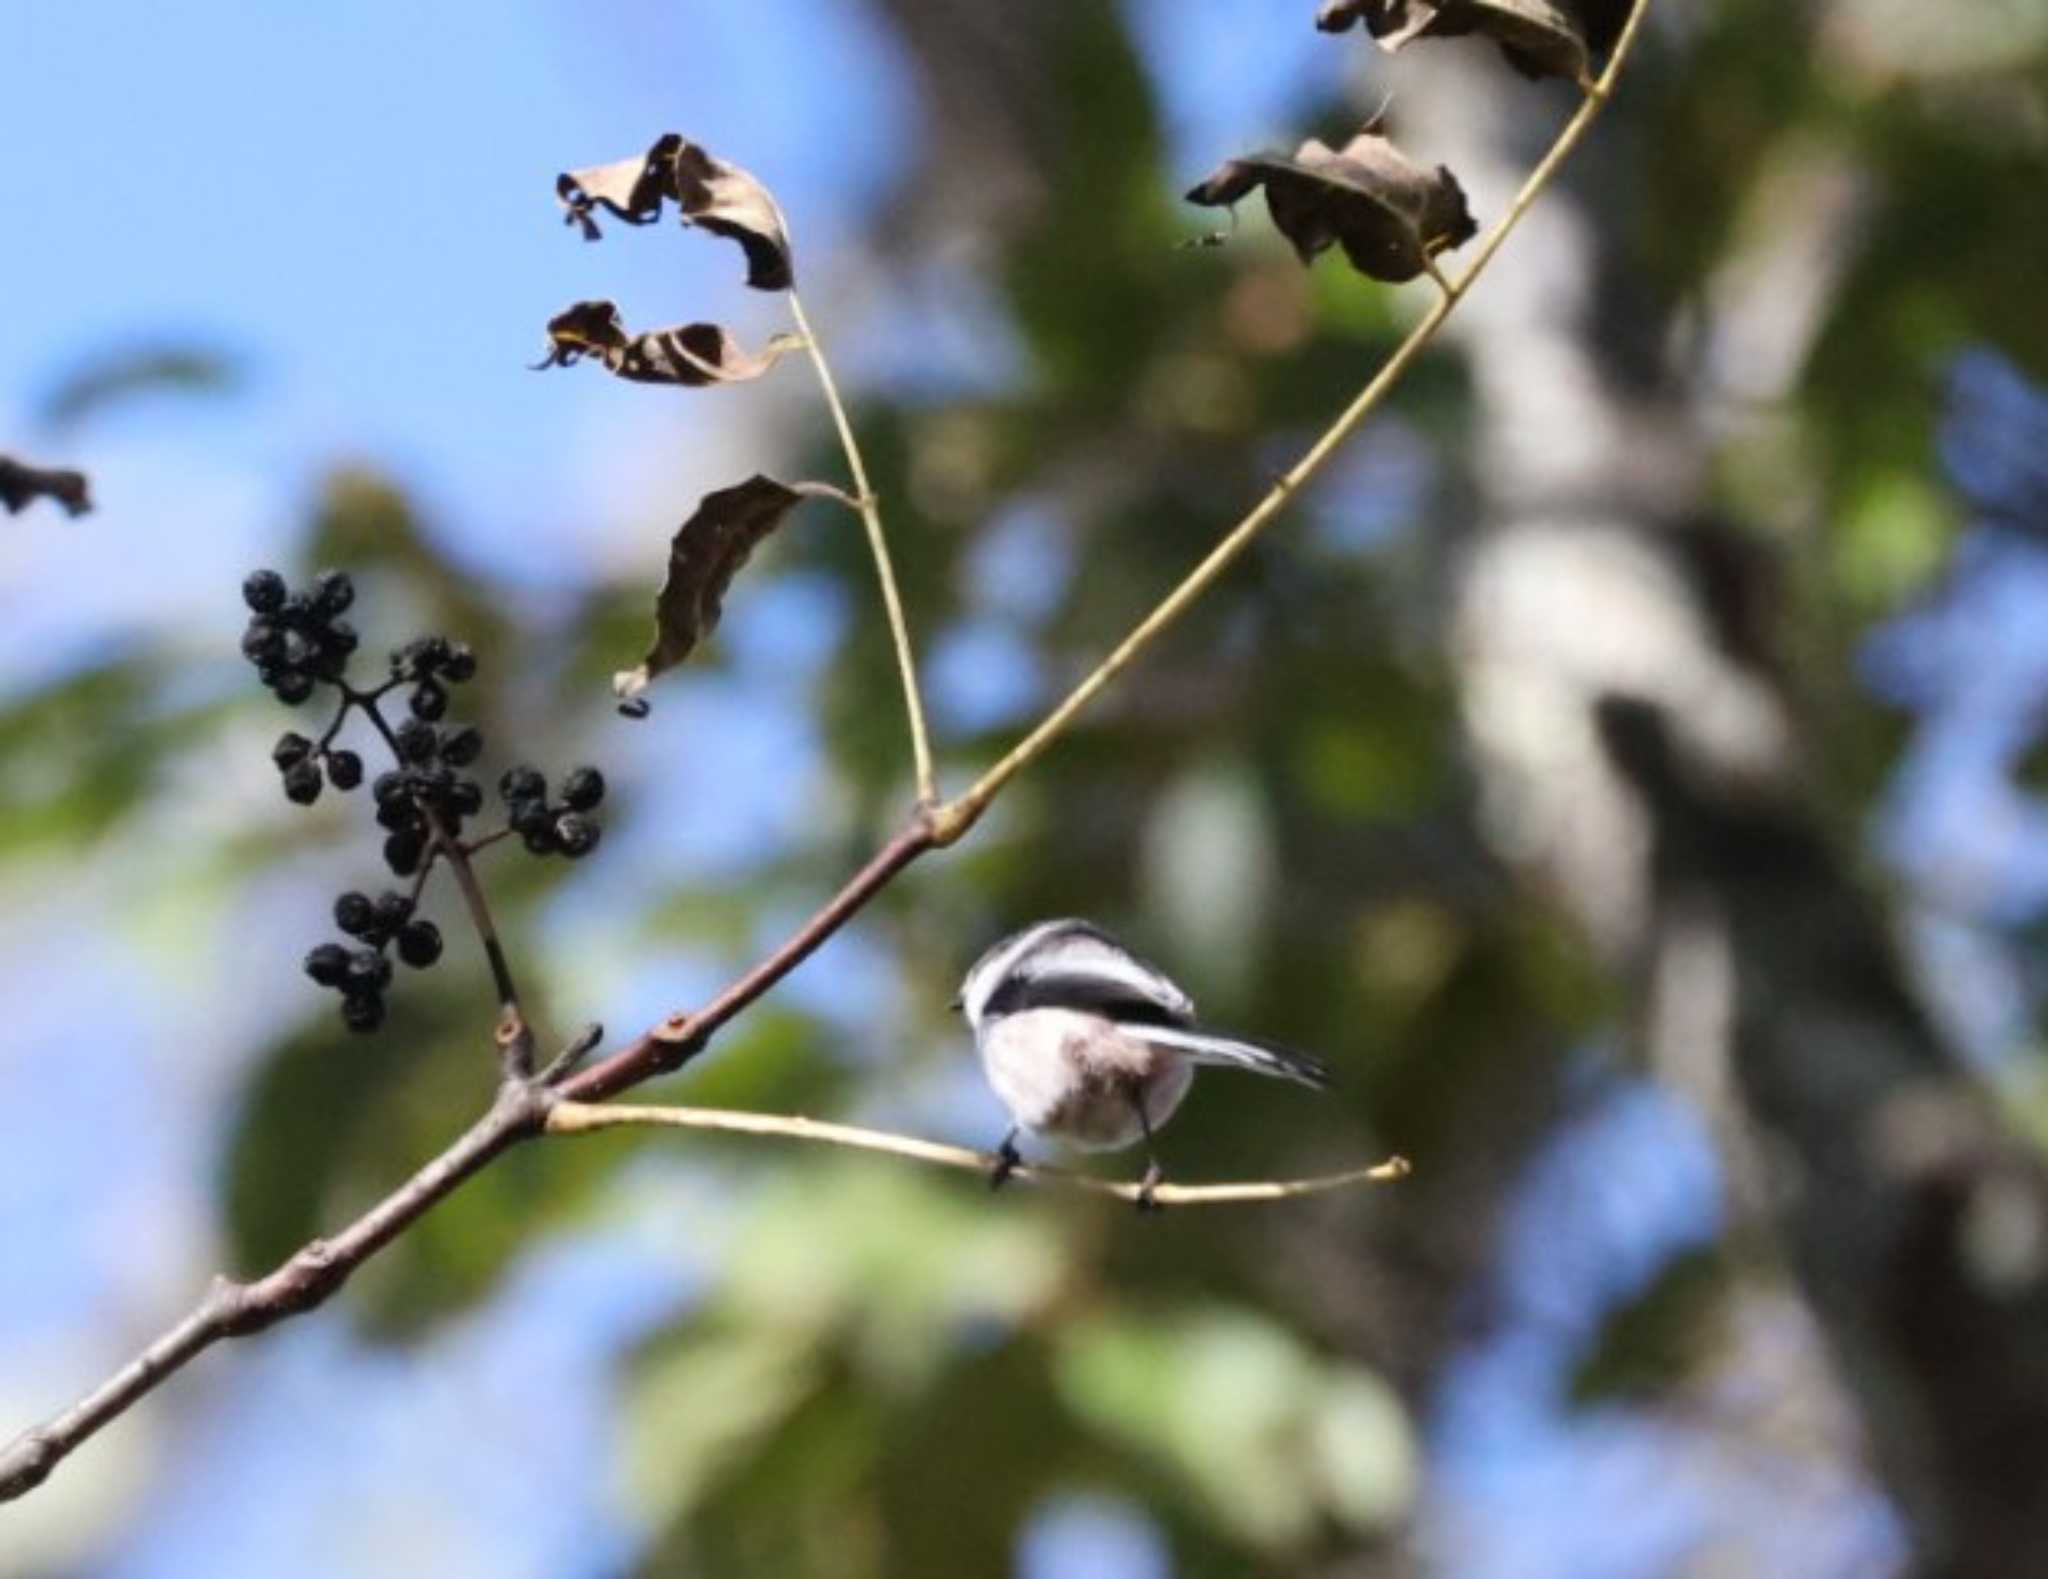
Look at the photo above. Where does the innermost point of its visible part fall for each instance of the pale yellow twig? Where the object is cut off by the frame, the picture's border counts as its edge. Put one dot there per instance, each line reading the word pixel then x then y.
pixel 878 546
pixel 954 818
pixel 582 1118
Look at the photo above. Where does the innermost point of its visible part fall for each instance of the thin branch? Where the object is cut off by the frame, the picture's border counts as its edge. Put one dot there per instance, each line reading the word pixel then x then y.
pixel 577 1118
pixel 878 546
pixel 523 1106
pixel 955 817
pixel 680 1037
pixel 307 1279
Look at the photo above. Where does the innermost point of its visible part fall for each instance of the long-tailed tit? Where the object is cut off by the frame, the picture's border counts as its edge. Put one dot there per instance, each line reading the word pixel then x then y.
pixel 1086 1043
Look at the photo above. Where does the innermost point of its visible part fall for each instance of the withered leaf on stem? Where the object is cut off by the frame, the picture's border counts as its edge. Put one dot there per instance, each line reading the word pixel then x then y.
pixel 721 198
pixel 21 484
pixel 692 354
pixel 1541 38
pixel 703 557
pixel 1389 214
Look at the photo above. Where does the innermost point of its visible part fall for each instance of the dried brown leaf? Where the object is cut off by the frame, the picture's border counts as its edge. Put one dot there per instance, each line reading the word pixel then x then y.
pixel 703 557
pixel 692 354
pixel 21 484
pixel 1541 38
pixel 721 198
pixel 1389 214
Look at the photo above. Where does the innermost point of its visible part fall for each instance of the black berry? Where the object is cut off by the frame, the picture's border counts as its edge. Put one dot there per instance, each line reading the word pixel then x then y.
pixel 576 834
pixel 362 1011
pixel 302 783
pixel 583 789
pixel 354 913
pixel 460 664
pixel 460 747
pixel 262 642
pixel 327 964
pixel 429 701
pixel 402 852
pixel 419 944
pixel 530 817
pixel 400 816
pixel 368 971
pixel 264 591
pixel 293 687
pixel 416 741
pixel 344 769
pixel 333 592
pixel 292 747
pixel 393 911
pixel 522 783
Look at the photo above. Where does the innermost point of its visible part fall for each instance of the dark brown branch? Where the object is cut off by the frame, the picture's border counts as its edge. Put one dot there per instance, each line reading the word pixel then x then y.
pixel 233 1310
pixel 309 1278
pixel 679 1038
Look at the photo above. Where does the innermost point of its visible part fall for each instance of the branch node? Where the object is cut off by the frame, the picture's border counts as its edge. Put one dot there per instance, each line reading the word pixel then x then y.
pixel 515 1043
pixel 947 822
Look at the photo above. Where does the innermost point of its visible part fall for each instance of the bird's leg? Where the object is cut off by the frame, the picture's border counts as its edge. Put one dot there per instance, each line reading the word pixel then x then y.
pixel 1008 1160
pixel 1147 1201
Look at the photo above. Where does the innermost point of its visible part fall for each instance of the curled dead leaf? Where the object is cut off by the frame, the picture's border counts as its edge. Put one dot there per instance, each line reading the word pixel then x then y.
pixel 21 484
pixel 1389 214
pixel 692 354
pixel 706 552
pixel 721 198
pixel 1541 38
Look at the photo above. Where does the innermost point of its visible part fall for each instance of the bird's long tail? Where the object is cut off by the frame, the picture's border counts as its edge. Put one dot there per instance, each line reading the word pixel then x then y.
pixel 1234 1052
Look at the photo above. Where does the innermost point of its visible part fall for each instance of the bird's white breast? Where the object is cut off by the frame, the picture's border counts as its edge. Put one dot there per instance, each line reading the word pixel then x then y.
pixel 1075 1077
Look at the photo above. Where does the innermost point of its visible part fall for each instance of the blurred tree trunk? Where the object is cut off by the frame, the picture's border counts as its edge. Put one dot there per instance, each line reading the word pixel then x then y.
pixel 1643 768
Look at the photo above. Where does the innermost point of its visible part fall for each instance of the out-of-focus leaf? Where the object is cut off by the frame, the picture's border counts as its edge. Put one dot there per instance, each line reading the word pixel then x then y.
pixel 720 197
pixel 699 1408
pixel 142 370
pixel 703 557
pixel 1541 38
pixel 297 1124
pixel 1389 214
pixel 83 753
pixel 1305 1440
pixel 21 483
pixel 693 354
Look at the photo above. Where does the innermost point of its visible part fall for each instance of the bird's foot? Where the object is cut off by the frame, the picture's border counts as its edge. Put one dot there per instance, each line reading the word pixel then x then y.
pixel 1008 1161
pixel 1146 1200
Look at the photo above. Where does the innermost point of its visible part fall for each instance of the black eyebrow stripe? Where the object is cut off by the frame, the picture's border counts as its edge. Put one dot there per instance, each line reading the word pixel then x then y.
pixel 1119 1002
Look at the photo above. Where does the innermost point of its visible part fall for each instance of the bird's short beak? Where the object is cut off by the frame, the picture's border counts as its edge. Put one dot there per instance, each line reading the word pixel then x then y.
pixel 959 1002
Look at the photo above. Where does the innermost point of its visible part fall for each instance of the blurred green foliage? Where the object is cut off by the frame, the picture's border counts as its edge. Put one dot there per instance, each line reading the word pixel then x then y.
pixel 887 1372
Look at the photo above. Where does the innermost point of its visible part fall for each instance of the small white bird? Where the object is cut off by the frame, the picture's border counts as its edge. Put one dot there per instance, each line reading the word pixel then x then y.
pixel 1086 1043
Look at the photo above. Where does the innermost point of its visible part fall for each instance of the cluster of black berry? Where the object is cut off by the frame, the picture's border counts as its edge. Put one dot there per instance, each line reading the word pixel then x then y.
pixel 362 973
pixel 427 786
pixel 297 639
pixel 553 827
